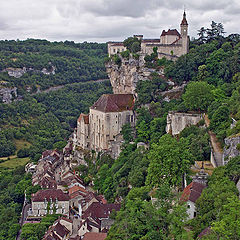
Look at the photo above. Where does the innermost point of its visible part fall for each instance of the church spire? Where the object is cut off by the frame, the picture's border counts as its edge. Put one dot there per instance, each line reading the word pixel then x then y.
pixel 184 20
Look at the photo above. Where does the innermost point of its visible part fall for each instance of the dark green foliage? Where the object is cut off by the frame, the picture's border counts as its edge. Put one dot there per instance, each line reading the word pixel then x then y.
pixel 75 62
pixel 169 160
pixel 127 132
pixel 140 219
pixel 212 200
pixel 47 119
pixel 12 186
pixel 198 96
pixel 117 60
pixel 125 54
pixel 149 90
pixel 198 141
pixel 132 44
pixel 37 230
pixel 24 152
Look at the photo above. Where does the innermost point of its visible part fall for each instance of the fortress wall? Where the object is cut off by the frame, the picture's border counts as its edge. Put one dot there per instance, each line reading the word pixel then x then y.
pixel 176 121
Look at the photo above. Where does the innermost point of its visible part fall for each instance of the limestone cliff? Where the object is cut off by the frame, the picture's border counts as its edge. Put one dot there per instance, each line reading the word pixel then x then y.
pixel 230 149
pixel 18 72
pixel 7 94
pixel 124 78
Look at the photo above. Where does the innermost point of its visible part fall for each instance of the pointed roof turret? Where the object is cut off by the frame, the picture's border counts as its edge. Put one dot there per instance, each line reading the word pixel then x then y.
pixel 184 20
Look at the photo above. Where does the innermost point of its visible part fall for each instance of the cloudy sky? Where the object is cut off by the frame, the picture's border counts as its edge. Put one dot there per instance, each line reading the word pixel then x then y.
pixel 104 20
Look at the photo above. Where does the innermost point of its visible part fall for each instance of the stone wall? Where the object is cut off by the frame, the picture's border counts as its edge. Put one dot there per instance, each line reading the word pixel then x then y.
pixel 230 149
pixel 177 121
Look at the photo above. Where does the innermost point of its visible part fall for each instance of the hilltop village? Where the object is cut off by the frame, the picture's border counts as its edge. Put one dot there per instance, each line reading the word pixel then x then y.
pixel 144 159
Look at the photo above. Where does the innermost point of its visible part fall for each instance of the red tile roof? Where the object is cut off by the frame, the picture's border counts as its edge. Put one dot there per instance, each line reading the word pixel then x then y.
pixel 41 195
pixel 114 103
pixel 171 32
pixel 192 192
pixel 94 236
pixel 98 210
pixel 61 230
pixel 76 189
pixel 85 118
pixel 151 40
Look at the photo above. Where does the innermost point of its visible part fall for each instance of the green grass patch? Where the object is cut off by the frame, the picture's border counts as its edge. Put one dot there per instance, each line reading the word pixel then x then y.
pixel 14 162
pixel 22 144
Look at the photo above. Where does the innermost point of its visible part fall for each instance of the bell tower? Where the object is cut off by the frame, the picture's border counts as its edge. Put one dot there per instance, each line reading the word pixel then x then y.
pixel 184 25
pixel 184 34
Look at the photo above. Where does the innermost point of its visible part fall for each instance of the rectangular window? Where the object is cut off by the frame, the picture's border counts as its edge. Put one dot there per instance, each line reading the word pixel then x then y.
pixel 128 118
pixel 131 118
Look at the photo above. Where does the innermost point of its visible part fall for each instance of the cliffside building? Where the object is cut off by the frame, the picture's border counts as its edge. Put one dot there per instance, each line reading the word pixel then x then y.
pixel 171 43
pixel 100 129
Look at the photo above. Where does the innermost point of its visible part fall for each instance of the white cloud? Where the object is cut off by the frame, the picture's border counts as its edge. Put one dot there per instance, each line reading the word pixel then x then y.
pixel 104 20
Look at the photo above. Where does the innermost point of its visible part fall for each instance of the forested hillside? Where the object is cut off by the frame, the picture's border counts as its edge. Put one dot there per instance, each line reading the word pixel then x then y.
pixel 211 71
pixel 45 120
pixel 63 63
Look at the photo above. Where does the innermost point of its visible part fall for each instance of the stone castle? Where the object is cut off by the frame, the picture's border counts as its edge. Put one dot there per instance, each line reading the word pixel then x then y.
pixel 171 43
pixel 100 130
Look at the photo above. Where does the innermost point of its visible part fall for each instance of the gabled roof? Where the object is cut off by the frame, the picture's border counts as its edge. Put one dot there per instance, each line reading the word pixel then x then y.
pixel 98 210
pixel 192 192
pixel 61 230
pixel 54 194
pixel 85 118
pixel 173 32
pixel 76 189
pixel 114 103
pixel 94 236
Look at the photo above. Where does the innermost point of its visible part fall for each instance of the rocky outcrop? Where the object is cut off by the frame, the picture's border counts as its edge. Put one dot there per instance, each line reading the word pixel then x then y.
pixel 230 149
pixel 18 72
pixel 8 94
pixel 124 78
pixel 174 93
pixel 177 121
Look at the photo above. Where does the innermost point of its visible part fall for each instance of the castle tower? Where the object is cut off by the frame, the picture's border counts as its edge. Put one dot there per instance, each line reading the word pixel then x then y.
pixel 184 34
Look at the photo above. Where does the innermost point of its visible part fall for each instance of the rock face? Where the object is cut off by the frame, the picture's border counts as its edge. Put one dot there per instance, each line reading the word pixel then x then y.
pixel 230 149
pixel 18 72
pixel 177 121
pixel 7 94
pixel 124 78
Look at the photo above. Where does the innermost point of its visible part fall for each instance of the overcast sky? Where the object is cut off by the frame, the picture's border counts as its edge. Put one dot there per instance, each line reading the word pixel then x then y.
pixel 104 20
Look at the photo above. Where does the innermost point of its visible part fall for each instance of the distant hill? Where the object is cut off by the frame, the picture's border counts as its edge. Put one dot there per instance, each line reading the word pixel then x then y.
pixel 39 64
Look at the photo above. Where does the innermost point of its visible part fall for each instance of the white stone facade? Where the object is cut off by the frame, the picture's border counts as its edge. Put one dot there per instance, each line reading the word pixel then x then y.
pixel 171 43
pixel 105 121
pixel 44 208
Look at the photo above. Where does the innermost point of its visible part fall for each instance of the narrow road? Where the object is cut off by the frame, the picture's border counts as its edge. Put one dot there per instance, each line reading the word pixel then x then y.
pixel 23 218
pixel 55 88
pixel 217 150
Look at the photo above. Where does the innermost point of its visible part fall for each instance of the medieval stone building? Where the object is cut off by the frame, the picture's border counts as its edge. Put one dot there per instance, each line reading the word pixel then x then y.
pixel 100 129
pixel 171 43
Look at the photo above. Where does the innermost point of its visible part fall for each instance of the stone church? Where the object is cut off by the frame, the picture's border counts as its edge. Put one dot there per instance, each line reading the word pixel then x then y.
pixel 171 43
pixel 100 129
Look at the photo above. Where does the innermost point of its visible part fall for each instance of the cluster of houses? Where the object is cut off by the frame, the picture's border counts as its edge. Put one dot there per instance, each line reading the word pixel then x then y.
pixel 85 215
